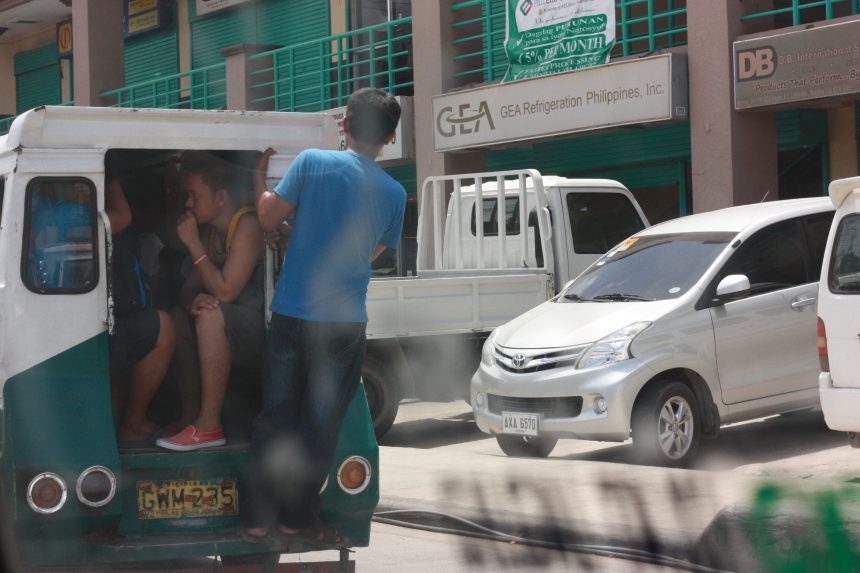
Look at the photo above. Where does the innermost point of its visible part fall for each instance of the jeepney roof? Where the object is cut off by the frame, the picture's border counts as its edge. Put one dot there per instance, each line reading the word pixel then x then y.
pixel 70 127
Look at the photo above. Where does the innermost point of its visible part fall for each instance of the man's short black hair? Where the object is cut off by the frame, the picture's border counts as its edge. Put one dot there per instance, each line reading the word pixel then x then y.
pixel 372 115
pixel 215 172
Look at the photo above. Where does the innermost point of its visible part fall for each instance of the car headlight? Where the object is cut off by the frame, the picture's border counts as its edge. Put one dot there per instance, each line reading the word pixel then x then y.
pixel 489 349
pixel 613 348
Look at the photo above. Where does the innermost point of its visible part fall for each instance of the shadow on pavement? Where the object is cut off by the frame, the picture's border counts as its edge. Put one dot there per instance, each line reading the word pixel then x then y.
pixel 762 441
pixel 433 432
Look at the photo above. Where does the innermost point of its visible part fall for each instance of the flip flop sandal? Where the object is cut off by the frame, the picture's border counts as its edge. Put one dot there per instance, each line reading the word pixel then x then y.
pixel 318 534
pixel 245 536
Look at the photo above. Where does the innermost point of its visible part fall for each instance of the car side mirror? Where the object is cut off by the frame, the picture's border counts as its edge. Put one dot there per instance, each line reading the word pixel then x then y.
pixel 732 287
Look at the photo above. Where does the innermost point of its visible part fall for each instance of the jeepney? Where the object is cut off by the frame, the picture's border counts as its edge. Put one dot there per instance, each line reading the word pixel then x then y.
pixel 69 495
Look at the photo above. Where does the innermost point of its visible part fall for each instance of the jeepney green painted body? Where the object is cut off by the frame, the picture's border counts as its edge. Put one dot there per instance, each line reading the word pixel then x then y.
pixel 56 413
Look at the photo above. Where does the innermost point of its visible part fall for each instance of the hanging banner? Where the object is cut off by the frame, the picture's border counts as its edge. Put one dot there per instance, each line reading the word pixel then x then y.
pixel 551 36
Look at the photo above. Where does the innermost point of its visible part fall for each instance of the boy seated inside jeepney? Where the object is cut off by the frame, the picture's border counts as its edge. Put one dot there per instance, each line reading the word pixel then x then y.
pixel 144 337
pixel 219 319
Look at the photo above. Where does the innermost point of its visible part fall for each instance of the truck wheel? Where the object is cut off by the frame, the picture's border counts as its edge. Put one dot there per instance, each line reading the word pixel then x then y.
pixel 526 446
pixel 667 425
pixel 383 399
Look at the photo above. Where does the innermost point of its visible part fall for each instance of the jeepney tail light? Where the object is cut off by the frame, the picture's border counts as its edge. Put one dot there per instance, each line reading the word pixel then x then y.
pixel 823 358
pixel 96 486
pixel 46 493
pixel 353 476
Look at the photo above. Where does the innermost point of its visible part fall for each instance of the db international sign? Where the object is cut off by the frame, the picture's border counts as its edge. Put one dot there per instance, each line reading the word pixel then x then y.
pixel 624 93
pixel 797 66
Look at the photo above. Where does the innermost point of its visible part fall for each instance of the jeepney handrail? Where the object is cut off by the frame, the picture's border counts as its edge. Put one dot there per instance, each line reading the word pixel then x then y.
pixel 108 266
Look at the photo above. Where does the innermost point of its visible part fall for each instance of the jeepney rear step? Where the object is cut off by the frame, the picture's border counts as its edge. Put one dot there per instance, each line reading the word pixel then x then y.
pixel 115 552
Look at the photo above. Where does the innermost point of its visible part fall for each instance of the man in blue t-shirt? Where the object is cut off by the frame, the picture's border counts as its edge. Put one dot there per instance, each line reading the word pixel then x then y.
pixel 344 212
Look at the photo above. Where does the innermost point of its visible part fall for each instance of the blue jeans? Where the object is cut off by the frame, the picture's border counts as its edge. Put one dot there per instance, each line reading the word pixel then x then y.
pixel 312 372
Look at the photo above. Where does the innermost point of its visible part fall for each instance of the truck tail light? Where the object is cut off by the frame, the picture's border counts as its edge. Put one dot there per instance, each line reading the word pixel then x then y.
pixel 823 358
pixel 46 493
pixel 96 486
pixel 353 476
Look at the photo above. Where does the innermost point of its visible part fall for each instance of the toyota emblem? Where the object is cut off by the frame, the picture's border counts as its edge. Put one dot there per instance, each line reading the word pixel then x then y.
pixel 519 360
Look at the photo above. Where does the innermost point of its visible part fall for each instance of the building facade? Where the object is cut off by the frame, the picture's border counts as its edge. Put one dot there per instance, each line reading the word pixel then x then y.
pixel 704 104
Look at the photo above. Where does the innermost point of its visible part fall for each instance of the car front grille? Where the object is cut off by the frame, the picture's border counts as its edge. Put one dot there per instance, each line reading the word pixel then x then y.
pixel 561 407
pixel 523 363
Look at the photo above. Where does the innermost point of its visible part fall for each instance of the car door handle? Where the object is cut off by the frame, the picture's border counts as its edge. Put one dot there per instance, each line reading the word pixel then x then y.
pixel 800 303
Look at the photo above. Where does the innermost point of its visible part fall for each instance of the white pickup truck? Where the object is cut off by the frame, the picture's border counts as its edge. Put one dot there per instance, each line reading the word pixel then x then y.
pixel 425 332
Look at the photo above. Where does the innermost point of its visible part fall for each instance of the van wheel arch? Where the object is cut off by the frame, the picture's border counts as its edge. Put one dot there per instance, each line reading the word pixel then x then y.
pixel 710 414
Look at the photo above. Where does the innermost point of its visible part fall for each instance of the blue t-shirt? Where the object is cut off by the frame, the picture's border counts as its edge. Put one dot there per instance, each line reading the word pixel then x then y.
pixel 346 205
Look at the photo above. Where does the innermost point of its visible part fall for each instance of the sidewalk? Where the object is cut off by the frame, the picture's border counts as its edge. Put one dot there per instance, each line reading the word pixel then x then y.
pixel 590 493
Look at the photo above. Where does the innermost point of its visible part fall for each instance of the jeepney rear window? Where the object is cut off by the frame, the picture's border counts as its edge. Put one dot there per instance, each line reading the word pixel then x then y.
pixel 60 230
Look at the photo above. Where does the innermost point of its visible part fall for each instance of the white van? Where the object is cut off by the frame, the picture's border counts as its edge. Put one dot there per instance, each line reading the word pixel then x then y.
pixel 689 324
pixel 839 314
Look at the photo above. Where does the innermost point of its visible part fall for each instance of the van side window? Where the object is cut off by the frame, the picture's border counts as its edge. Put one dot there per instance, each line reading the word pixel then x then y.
pixel 772 259
pixel 60 229
pixel 817 228
pixel 491 219
pixel 844 275
pixel 2 194
pixel 599 221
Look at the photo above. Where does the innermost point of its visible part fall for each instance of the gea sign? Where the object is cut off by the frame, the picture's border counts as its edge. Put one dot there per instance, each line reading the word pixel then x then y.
pixel 622 93
pixel 758 63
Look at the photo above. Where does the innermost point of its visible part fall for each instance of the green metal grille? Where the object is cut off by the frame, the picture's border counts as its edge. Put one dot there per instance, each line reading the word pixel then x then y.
pixel 204 88
pixel 320 74
pixel 479 33
pixel 6 124
pixel 795 12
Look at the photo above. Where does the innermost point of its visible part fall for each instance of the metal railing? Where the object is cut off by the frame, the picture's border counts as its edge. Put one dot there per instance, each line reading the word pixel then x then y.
pixel 6 124
pixel 203 88
pixel 795 12
pixel 479 33
pixel 321 74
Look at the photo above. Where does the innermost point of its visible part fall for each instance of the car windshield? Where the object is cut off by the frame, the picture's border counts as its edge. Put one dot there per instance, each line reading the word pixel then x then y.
pixel 653 267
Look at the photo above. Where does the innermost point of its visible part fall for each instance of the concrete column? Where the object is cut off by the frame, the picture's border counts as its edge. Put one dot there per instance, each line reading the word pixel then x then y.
pixel 433 57
pixel 99 59
pixel 240 93
pixel 433 61
pixel 842 141
pixel 734 154
pixel 7 80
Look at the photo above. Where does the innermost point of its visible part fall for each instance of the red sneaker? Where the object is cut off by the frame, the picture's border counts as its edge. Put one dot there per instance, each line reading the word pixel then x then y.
pixel 192 439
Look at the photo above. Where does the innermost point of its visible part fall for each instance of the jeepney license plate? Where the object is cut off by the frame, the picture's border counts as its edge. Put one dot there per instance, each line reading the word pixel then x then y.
pixel 521 424
pixel 167 499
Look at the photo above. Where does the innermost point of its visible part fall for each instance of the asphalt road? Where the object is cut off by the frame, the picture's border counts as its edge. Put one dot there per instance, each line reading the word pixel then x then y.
pixel 430 441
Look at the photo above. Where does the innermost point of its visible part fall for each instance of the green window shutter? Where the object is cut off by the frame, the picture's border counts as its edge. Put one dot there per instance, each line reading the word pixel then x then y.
pixel 150 57
pixel 589 153
pixel 291 23
pixel 37 78
pixel 209 34
pixel 798 128
pixel 288 23
pixel 406 175
pixel 227 28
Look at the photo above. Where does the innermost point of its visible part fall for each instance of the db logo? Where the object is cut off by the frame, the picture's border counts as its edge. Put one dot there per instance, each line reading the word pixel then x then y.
pixel 464 119
pixel 755 64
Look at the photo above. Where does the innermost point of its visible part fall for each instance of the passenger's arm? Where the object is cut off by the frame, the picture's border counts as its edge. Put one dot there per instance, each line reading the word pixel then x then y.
pixel 376 252
pixel 272 210
pixel 225 284
pixel 116 207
